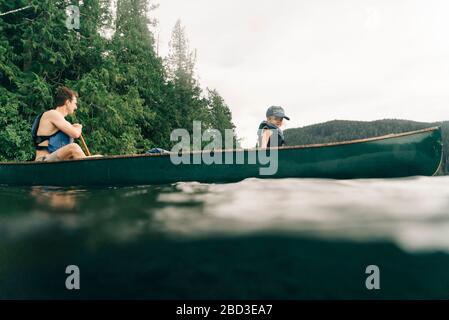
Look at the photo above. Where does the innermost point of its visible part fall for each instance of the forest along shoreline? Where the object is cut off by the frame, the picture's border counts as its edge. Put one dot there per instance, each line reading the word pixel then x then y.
pixel 130 97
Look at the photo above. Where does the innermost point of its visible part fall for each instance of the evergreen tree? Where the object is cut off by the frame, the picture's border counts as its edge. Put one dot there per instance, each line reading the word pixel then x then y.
pixel 128 101
pixel 188 101
pixel 133 47
pixel 220 116
pixel 34 49
pixel 181 61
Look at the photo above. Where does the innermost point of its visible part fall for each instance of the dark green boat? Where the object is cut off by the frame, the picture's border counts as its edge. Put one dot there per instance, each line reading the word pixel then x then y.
pixel 417 153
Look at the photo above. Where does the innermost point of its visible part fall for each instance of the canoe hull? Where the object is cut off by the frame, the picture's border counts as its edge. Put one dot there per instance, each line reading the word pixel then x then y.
pixel 413 154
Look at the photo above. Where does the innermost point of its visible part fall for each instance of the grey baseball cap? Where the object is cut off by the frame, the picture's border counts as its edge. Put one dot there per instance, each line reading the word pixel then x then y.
pixel 276 111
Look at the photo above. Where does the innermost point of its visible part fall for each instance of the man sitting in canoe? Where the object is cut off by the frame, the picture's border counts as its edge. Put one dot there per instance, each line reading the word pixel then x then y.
pixel 53 135
pixel 270 129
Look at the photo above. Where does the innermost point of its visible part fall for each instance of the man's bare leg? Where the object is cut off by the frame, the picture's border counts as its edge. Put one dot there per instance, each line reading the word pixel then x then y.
pixel 70 151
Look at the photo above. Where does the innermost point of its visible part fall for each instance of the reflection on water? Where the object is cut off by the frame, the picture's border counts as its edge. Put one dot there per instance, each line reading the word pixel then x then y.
pixel 55 200
pixel 289 238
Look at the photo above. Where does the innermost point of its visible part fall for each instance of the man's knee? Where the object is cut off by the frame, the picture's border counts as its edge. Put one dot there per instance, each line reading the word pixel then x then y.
pixel 75 148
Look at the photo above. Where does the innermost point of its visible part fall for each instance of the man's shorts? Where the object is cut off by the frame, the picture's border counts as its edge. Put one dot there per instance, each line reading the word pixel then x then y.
pixel 53 157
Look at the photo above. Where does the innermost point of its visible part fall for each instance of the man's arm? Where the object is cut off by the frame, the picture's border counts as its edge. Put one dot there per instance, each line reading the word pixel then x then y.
pixel 62 124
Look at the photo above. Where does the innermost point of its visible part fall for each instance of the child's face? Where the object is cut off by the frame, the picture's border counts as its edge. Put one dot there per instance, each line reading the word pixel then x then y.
pixel 277 121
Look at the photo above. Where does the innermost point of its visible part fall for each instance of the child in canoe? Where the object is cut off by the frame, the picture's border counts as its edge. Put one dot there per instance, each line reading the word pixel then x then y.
pixel 270 129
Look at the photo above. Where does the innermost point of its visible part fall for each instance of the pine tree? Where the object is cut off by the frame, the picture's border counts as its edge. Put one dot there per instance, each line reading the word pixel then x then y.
pixel 181 61
pixel 188 101
pixel 221 117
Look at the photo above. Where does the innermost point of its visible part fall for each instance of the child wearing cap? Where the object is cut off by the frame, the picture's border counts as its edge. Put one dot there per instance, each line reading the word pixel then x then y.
pixel 270 129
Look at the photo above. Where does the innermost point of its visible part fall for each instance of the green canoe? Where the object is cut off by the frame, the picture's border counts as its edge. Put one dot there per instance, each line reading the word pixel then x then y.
pixel 417 153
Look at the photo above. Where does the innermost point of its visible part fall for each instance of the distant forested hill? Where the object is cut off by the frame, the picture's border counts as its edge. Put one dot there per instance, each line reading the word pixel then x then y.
pixel 341 130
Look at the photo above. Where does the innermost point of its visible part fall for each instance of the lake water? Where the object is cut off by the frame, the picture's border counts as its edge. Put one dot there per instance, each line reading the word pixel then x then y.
pixel 257 239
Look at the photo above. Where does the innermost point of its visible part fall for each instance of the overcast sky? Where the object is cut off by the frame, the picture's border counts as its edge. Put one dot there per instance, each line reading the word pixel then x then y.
pixel 319 59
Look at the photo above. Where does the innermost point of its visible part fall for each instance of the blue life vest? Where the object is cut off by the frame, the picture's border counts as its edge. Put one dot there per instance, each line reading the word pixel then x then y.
pixel 55 141
pixel 277 134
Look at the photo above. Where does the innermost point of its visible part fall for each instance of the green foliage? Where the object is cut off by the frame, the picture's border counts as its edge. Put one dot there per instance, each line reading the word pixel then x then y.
pixel 340 130
pixel 129 101
pixel 14 135
pixel 220 116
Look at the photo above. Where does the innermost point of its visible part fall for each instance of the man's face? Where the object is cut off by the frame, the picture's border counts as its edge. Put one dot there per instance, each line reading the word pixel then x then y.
pixel 72 105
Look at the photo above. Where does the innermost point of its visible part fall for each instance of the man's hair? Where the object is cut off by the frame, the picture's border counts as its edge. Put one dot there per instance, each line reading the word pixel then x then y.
pixel 63 94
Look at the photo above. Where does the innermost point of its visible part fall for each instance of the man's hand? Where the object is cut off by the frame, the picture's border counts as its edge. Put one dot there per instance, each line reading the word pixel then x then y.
pixel 78 127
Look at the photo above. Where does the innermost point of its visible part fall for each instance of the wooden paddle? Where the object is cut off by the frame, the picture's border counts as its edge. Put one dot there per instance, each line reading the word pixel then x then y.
pixel 86 149
pixel 85 146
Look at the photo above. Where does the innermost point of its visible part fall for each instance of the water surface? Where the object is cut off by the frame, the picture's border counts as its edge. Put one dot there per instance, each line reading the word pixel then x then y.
pixel 257 239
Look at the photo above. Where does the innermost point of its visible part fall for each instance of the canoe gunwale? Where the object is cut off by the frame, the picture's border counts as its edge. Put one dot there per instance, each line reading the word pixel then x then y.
pixel 321 145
